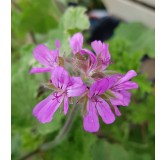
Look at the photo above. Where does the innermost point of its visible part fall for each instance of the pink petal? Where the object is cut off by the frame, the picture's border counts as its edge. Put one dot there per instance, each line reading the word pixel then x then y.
pixel 91 122
pixel 117 111
pixel 105 56
pixel 105 52
pixel 77 87
pixel 122 98
pixel 60 77
pixel 130 74
pixel 57 43
pixel 102 52
pixel 66 105
pixel 126 86
pixel 40 70
pixel 118 100
pixel 104 111
pixel 45 110
pixel 91 58
pixel 99 87
pixel 55 56
pixel 44 55
pixel 126 97
pixel 112 80
pixel 76 42
pixel 97 46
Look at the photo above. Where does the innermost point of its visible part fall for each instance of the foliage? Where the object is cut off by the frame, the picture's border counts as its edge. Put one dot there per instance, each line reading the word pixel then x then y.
pixel 140 37
pixel 73 20
pixel 132 134
pixel 129 46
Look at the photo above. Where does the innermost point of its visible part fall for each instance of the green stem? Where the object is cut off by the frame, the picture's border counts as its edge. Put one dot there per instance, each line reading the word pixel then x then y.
pixel 58 139
pixel 62 133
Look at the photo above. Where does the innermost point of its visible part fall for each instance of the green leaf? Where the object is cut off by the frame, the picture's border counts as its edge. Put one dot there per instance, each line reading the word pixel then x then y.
pixel 30 140
pixel 45 15
pixel 24 97
pixel 15 145
pixel 75 18
pixel 54 125
pixel 23 89
pixel 107 151
pixel 78 145
pixel 140 37
pixel 130 31
pixel 63 37
pixel 121 56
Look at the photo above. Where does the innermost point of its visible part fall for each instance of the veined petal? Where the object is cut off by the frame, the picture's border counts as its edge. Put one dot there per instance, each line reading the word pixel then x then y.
pixel 40 105
pixel 102 52
pixel 76 88
pixel 126 86
pixel 104 111
pixel 97 46
pixel 122 98
pixel 112 80
pixel 91 121
pixel 55 56
pixel 60 78
pixel 40 70
pixel 105 56
pixel 66 105
pixel 105 52
pixel 99 87
pixel 44 55
pixel 118 100
pixel 126 98
pixel 45 110
pixel 130 74
pixel 76 42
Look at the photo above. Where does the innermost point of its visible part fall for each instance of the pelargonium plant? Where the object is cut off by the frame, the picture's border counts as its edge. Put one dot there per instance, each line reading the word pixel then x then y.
pixel 82 78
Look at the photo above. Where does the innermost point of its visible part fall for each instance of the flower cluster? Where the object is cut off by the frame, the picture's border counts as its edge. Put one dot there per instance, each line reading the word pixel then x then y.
pixel 99 91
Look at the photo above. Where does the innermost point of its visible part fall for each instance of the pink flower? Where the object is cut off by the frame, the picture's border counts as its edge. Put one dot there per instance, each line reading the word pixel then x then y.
pixel 97 105
pixel 76 42
pixel 93 63
pixel 65 87
pixel 86 64
pixel 48 58
pixel 119 86
pixel 103 93
pixel 102 53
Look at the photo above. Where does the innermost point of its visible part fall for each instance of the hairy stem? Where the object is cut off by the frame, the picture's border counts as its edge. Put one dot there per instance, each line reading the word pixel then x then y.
pixel 30 154
pixel 62 133
pixel 58 139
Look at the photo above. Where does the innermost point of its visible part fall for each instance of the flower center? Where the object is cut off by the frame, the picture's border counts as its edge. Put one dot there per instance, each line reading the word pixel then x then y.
pixel 57 95
pixel 96 100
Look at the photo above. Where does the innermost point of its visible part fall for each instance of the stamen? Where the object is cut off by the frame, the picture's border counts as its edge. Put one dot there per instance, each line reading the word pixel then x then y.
pixel 94 99
pixel 56 96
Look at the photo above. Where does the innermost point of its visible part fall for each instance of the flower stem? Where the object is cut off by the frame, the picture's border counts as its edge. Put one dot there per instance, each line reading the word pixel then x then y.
pixel 58 139
pixel 62 133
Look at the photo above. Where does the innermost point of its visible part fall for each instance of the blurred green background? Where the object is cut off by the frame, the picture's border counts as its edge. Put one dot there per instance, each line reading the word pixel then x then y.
pixel 132 135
